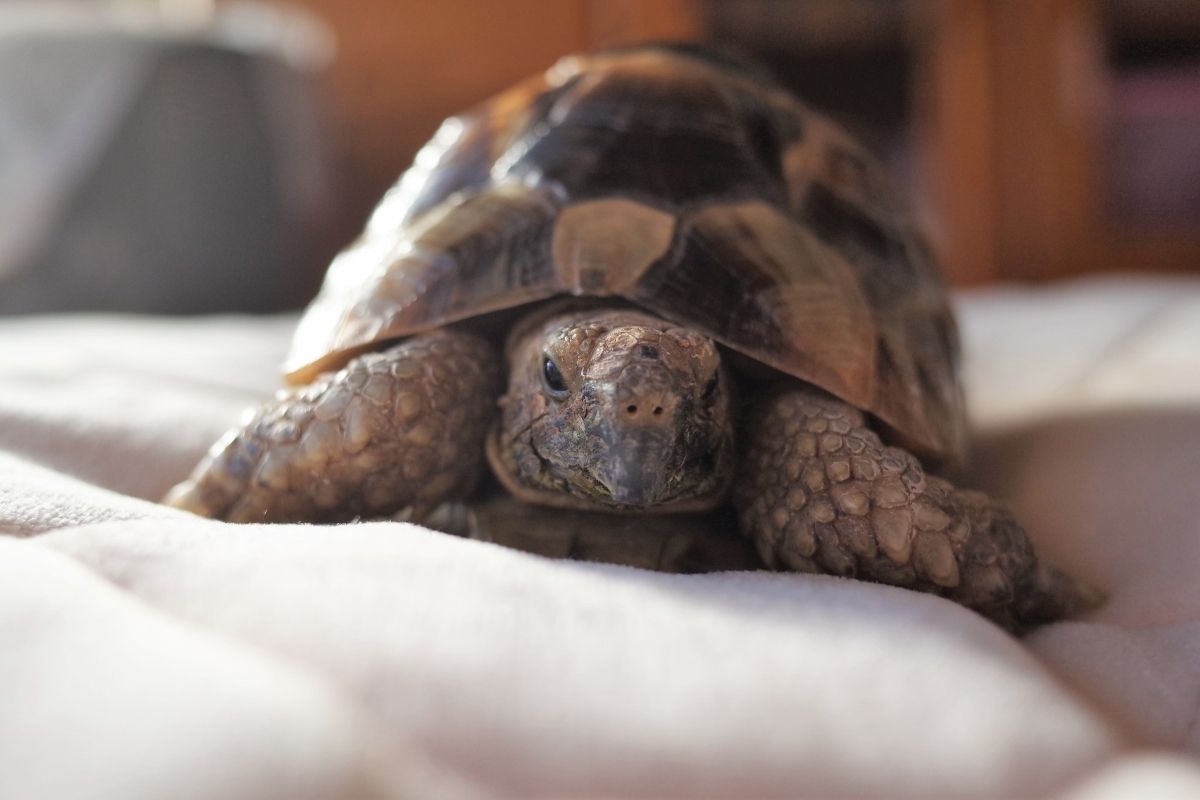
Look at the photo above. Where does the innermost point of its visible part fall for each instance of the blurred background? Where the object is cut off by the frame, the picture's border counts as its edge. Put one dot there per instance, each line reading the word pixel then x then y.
pixel 198 155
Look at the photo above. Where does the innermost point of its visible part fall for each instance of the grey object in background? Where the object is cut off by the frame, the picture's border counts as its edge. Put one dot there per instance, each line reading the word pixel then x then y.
pixel 150 167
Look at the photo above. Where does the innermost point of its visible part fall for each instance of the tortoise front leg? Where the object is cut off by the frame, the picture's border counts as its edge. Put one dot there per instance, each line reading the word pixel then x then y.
pixel 820 493
pixel 398 429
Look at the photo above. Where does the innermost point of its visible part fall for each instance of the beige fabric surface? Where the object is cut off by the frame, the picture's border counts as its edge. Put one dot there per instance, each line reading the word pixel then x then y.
pixel 145 653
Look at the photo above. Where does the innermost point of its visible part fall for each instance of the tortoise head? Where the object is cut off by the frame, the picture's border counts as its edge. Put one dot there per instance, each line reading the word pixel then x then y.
pixel 614 410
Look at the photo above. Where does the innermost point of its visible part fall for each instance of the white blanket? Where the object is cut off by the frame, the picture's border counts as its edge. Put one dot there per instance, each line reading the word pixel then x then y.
pixel 147 654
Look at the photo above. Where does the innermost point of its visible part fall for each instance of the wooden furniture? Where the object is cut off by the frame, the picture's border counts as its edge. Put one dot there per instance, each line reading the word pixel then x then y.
pixel 1033 128
pixel 403 66
pixel 1022 132
pixel 1036 126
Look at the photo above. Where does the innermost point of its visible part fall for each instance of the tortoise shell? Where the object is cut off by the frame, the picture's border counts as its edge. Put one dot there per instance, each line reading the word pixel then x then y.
pixel 685 184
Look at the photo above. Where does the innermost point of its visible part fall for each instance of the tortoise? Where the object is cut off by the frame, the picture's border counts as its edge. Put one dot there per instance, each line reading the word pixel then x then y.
pixel 712 307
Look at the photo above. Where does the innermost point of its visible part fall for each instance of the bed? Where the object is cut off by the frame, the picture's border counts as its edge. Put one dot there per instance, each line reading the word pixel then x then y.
pixel 146 653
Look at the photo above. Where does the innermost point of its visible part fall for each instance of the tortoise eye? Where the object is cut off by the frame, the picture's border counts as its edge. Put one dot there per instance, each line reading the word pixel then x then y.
pixel 553 378
pixel 710 388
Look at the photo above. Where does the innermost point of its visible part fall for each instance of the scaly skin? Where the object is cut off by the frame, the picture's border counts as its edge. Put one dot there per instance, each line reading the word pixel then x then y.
pixel 401 429
pixel 816 490
pixel 819 492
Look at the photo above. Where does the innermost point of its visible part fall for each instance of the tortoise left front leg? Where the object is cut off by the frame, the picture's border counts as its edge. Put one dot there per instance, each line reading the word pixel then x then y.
pixel 398 429
pixel 819 492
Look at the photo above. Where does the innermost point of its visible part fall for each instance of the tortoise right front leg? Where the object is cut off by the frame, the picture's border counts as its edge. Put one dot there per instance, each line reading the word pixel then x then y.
pixel 394 430
pixel 821 493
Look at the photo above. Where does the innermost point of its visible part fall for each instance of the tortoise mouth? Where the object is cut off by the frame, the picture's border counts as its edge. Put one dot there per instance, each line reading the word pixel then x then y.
pixel 636 496
pixel 637 484
pixel 582 489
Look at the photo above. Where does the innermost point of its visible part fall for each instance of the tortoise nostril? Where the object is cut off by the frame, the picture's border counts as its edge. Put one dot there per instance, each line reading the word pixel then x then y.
pixel 658 411
pixel 631 409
